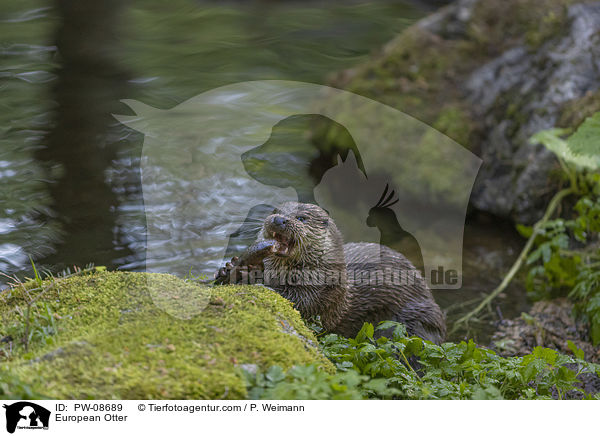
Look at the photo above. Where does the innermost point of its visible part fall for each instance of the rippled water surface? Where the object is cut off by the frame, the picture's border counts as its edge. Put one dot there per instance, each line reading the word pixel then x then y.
pixel 69 172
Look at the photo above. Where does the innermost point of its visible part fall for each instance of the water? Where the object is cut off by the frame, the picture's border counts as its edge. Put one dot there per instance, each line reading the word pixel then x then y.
pixel 69 172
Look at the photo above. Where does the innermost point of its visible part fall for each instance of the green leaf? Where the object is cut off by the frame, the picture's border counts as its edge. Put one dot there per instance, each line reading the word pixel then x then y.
pixel 37 279
pixel 585 141
pixel 551 140
pixel 578 352
pixel 365 332
pixel 368 348
pixel 275 374
pixel 525 231
pixel 528 318
pixel 547 354
pixel 414 346
pixel 489 393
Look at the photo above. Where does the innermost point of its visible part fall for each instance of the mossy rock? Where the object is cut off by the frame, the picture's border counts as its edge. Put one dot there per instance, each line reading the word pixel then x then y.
pixel 422 71
pixel 112 341
pixel 490 74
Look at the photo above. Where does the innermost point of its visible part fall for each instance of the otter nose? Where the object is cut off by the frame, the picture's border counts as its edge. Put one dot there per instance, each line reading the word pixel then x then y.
pixel 279 221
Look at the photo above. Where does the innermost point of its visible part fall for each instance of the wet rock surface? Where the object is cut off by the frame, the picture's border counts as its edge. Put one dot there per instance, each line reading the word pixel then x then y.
pixel 490 75
pixel 520 93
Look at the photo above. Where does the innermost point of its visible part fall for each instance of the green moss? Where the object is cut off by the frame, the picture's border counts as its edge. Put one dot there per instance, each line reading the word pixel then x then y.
pixel 551 24
pixel 114 342
pixel 422 73
pixel 455 122
pixel 413 75
pixel 497 26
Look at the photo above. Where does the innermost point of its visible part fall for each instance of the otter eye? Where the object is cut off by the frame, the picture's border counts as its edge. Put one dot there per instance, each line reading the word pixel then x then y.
pixel 301 218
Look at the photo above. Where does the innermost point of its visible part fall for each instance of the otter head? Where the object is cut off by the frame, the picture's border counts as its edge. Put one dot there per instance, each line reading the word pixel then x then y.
pixel 304 234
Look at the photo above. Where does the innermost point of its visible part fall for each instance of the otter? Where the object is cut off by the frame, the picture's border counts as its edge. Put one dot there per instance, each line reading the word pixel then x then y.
pixel 305 260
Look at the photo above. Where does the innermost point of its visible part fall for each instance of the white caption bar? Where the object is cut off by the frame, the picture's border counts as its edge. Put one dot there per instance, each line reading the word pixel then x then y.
pixel 150 417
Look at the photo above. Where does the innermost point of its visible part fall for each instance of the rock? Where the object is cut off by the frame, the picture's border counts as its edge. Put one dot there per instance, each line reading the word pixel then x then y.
pixel 489 75
pixel 114 342
pixel 538 85
pixel 548 324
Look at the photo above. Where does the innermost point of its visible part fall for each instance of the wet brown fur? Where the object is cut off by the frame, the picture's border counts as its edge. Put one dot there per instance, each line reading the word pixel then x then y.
pixel 345 305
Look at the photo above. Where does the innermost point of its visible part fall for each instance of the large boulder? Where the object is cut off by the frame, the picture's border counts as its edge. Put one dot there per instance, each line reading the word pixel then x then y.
pixel 490 74
pixel 102 336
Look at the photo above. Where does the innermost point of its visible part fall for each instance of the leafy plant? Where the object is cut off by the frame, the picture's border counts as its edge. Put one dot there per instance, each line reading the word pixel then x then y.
pixel 566 250
pixel 563 253
pixel 566 258
pixel 584 142
pixel 586 293
pixel 305 383
pixel 411 368
pixel 581 149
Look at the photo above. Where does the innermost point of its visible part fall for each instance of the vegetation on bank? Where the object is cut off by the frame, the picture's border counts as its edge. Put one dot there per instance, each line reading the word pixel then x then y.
pixel 566 256
pixel 562 252
pixel 562 255
pixel 98 334
pixel 562 258
pixel 410 368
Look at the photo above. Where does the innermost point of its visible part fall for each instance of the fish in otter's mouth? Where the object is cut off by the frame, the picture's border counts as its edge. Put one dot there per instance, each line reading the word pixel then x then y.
pixel 283 244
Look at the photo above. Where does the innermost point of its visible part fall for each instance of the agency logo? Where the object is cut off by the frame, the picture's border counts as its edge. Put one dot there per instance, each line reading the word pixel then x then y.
pixel 26 415
pixel 215 166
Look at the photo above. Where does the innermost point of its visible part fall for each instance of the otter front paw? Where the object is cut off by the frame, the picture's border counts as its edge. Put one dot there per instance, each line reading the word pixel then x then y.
pixel 224 274
pixel 251 260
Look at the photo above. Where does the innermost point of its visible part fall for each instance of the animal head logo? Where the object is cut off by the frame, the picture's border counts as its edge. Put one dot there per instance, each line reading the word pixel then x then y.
pixel 27 415
pixel 199 188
